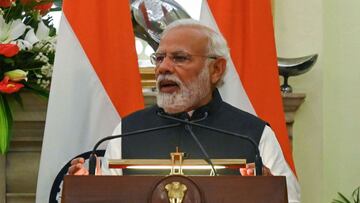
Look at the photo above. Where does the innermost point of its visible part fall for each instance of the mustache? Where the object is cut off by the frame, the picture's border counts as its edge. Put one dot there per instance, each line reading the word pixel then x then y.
pixel 163 78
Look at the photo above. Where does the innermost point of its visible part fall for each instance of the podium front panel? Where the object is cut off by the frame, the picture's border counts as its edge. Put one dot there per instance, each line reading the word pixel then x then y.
pixel 139 189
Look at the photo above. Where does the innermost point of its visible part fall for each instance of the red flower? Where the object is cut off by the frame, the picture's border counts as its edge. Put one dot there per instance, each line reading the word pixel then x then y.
pixel 43 8
pixel 41 5
pixel 9 50
pixel 8 87
pixel 6 3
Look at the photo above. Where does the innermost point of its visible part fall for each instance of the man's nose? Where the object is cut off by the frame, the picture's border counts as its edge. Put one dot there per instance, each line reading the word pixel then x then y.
pixel 165 67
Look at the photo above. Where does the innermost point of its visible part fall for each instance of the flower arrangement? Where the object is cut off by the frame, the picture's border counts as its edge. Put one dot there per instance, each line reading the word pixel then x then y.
pixel 27 50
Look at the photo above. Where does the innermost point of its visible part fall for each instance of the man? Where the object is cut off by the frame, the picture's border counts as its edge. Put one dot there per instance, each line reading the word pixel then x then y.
pixel 190 63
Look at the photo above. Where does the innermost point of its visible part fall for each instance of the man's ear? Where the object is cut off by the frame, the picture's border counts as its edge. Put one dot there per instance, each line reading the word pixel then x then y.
pixel 217 70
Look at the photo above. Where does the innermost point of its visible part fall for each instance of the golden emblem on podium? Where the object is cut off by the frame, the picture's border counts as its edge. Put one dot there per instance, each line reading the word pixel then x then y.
pixel 176 192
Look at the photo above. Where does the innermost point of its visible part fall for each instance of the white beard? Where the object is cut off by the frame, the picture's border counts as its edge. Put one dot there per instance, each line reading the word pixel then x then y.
pixel 189 94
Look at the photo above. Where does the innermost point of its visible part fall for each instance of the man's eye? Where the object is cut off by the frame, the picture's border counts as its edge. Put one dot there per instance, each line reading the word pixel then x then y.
pixel 180 58
pixel 159 58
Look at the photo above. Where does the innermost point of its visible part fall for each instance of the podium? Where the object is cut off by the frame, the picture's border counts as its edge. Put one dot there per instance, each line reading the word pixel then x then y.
pixel 154 189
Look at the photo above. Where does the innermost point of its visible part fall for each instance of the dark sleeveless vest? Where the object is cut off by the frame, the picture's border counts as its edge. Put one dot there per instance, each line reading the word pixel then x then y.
pixel 159 145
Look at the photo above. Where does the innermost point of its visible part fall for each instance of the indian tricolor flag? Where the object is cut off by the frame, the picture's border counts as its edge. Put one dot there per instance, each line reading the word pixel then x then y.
pixel 248 28
pixel 252 81
pixel 96 79
pixel 96 82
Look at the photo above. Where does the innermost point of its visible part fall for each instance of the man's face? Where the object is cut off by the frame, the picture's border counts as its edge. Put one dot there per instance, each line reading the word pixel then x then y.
pixel 183 85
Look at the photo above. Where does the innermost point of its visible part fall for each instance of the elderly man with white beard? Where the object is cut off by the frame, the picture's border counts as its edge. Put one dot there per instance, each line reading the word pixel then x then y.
pixel 190 63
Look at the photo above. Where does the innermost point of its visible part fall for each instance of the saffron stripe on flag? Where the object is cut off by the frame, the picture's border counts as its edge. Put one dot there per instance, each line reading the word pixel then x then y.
pixel 106 35
pixel 247 27
pixel 96 81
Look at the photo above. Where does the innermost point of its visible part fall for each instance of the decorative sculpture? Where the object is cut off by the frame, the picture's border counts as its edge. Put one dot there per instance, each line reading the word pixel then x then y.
pixel 150 17
pixel 294 66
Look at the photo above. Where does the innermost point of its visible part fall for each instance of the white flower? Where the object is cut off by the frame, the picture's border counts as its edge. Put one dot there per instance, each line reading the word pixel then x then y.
pixel 41 57
pixel 46 70
pixel 38 76
pixel 31 37
pixel 45 83
pixel 47 46
pixel 12 30
pixel 42 33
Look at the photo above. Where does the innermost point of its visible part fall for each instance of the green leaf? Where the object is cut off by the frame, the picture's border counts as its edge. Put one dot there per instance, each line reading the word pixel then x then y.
pixel 356 195
pixel 9 61
pixel 344 198
pixel 52 32
pixel 5 124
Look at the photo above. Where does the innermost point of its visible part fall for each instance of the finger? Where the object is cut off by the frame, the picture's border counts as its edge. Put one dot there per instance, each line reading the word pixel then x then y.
pixel 250 171
pixel 243 171
pixel 250 165
pixel 77 160
pixel 74 168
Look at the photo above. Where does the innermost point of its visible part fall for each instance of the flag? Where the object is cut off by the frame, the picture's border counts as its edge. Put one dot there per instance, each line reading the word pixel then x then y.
pixel 96 82
pixel 247 27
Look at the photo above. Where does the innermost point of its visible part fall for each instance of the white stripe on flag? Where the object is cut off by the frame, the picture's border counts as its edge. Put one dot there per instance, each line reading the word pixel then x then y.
pixel 79 111
pixel 232 91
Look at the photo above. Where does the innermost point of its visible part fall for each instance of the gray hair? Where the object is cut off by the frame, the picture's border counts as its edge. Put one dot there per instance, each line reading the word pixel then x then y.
pixel 217 45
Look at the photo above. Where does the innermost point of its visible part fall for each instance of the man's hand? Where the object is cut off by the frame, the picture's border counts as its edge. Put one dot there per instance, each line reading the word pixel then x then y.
pixel 77 167
pixel 250 170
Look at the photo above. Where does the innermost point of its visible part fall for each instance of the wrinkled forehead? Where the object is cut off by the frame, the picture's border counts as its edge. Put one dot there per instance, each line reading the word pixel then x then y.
pixel 184 39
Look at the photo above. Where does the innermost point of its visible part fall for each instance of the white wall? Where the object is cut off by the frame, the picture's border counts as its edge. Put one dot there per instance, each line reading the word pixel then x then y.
pixel 298 31
pixel 326 138
pixel 341 97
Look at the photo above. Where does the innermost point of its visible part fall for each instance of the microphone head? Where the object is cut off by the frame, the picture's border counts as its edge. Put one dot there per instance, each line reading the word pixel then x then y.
pixel 92 164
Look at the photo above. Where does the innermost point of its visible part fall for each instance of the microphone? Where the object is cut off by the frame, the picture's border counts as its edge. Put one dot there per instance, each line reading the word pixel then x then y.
pixel 92 158
pixel 188 128
pixel 258 160
pixel 206 155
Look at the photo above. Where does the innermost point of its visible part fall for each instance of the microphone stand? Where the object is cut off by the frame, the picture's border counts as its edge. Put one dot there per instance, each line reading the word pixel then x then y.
pixel 206 155
pixel 92 158
pixel 258 160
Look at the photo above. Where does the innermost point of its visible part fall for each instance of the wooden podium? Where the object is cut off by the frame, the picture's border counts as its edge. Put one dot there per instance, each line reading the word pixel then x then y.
pixel 154 189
